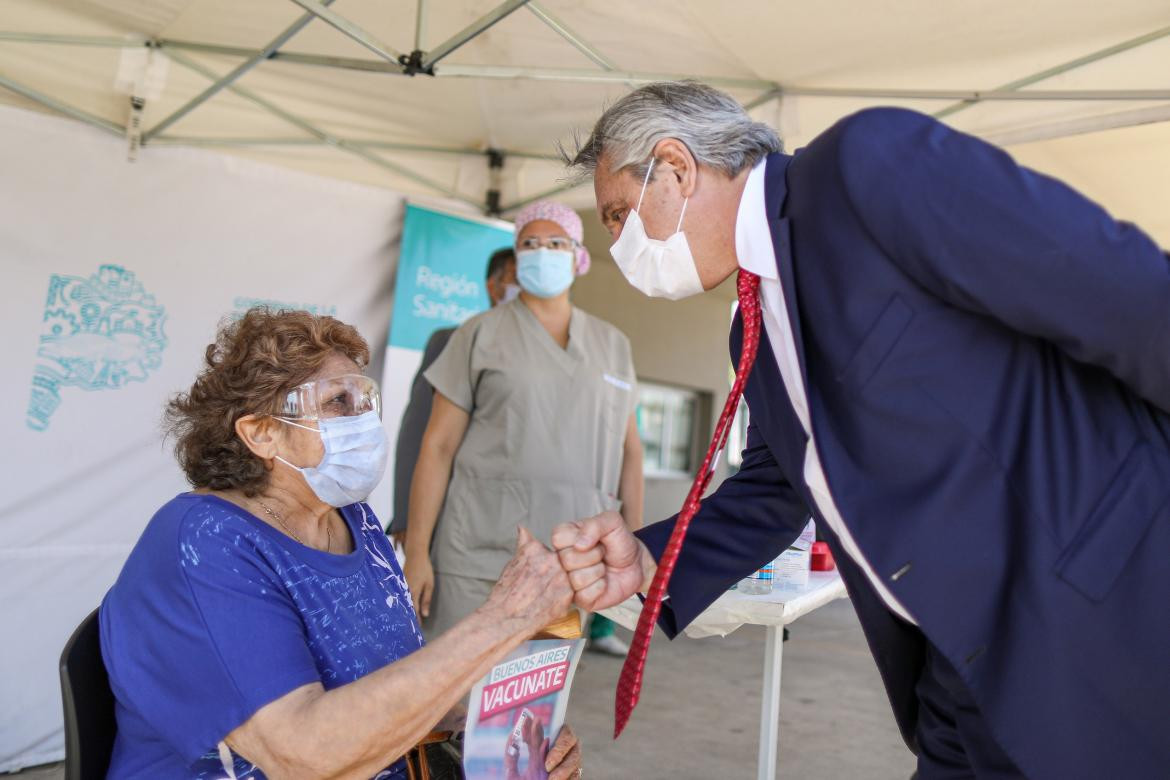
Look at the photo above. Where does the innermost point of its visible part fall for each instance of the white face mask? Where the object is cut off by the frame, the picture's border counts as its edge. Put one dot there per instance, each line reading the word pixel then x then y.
pixel 660 269
pixel 356 450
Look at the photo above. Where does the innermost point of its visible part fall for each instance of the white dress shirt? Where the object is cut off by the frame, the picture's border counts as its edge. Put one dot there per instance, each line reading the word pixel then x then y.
pixel 753 248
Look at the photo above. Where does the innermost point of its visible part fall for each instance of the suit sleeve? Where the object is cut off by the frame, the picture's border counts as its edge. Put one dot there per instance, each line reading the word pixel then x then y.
pixel 410 432
pixel 959 217
pixel 749 520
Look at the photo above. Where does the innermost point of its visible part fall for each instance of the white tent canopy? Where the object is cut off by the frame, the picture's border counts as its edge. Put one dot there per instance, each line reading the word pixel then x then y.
pixel 1073 88
pixel 1076 89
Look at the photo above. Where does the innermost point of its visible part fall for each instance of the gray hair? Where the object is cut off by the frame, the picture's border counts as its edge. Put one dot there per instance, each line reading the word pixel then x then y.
pixel 716 129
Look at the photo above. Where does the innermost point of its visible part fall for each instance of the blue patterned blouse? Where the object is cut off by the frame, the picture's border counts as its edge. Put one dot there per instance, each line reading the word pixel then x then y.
pixel 216 613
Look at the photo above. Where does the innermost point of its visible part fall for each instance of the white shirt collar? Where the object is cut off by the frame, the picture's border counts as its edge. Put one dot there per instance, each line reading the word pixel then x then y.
pixel 753 236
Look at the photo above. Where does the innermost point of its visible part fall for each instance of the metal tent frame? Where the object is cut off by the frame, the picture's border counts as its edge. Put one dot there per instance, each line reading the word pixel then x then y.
pixel 429 63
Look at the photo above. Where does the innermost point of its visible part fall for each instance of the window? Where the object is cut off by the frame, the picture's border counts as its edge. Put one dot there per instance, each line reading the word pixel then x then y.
pixel 667 417
pixel 737 436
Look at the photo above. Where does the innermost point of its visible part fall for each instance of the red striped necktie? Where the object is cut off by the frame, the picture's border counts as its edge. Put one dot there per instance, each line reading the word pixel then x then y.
pixel 630 682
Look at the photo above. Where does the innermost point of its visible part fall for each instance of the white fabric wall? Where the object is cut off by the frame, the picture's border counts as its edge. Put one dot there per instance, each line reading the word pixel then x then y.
pixel 203 235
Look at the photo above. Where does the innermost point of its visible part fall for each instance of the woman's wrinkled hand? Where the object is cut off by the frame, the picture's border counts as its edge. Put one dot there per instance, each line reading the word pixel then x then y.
pixel 533 589
pixel 563 761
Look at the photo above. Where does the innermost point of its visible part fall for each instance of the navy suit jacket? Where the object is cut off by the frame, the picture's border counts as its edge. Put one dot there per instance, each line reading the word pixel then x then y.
pixel 987 357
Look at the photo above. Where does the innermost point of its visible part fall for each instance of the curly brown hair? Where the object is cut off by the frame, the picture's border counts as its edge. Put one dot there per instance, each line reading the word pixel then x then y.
pixel 250 368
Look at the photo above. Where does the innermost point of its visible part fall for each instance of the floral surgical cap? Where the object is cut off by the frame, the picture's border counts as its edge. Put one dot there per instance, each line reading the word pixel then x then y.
pixel 563 216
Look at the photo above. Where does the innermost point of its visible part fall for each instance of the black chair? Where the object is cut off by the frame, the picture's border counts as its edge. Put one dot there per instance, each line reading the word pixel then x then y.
pixel 89 704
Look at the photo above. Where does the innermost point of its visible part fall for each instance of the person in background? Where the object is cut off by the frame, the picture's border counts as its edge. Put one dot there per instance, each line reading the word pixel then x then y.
pixel 261 626
pixel 501 288
pixel 533 420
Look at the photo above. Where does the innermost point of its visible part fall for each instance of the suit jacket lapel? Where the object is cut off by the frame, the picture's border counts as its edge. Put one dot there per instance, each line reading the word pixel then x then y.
pixel 775 193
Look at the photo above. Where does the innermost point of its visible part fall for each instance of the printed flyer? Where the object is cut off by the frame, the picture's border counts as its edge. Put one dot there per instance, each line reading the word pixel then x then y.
pixel 516 711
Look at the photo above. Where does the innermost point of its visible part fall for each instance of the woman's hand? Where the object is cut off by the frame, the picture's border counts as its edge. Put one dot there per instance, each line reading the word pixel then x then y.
pixel 563 761
pixel 533 590
pixel 420 577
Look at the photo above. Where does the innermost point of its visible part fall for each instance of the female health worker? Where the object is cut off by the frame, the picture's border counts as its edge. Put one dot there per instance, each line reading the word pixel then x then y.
pixel 532 424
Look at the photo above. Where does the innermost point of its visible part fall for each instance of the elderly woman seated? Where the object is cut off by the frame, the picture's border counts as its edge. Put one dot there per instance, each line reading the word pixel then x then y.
pixel 261 627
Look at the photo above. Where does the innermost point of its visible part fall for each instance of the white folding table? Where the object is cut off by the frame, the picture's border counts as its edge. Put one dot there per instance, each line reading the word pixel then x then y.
pixel 773 611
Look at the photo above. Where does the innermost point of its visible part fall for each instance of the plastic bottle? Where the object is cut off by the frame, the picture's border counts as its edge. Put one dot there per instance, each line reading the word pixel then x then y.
pixel 787 572
pixel 759 583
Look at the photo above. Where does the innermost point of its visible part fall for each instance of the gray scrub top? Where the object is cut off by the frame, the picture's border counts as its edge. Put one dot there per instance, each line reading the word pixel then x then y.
pixel 544 442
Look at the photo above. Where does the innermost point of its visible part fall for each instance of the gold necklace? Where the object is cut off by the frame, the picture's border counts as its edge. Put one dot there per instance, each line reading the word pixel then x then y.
pixel 290 532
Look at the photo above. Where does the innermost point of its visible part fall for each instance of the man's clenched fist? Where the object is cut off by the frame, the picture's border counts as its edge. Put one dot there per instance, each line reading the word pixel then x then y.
pixel 605 562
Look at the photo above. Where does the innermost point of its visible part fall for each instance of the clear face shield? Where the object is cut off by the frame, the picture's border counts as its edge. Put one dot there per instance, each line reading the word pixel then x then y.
pixel 347 410
pixel 348 395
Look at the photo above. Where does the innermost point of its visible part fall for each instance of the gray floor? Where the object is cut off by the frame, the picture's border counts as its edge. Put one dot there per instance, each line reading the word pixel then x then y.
pixel 700 709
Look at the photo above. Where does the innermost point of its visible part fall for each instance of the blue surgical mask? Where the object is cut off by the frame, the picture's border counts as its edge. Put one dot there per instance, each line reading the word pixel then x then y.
pixel 544 272
pixel 356 449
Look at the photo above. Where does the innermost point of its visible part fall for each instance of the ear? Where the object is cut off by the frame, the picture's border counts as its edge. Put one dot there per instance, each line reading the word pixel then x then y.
pixel 257 434
pixel 674 156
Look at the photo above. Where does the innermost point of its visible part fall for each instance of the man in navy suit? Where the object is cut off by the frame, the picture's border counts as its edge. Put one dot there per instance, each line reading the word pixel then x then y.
pixel 963 375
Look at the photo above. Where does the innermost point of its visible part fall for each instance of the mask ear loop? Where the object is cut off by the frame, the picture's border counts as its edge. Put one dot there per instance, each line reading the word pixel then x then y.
pixel 295 425
pixel 649 168
pixel 298 425
pixel 645 181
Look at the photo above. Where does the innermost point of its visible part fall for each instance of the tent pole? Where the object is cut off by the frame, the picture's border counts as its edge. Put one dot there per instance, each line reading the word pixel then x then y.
pixel 105 41
pixel 618 77
pixel 470 31
pixel 325 137
pixel 532 155
pixel 1092 124
pixel 491 204
pixel 590 75
pixel 320 60
pixel 296 58
pixel 546 194
pixel 351 30
pixel 1064 67
pixel 994 94
pixel 771 94
pixel 178 140
pixel 239 71
pixel 62 108
pixel 576 40
pixel 420 25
